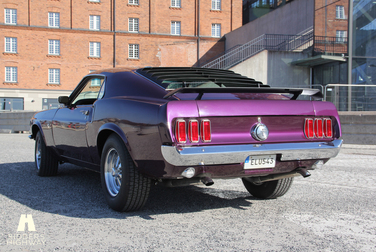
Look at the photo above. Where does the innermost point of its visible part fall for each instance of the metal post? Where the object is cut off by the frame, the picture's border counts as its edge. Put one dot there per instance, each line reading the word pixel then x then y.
pixel 350 53
pixel 198 33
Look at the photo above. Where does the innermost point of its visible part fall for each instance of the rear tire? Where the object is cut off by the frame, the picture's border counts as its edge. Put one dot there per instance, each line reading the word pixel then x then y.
pixel 270 189
pixel 46 163
pixel 125 189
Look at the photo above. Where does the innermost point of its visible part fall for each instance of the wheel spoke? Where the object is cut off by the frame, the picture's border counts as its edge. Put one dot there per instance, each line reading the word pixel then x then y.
pixel 113 174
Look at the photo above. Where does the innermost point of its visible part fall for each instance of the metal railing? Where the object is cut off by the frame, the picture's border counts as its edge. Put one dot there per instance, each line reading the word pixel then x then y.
pixel 329 45
pixel 352 97
pixel 273 42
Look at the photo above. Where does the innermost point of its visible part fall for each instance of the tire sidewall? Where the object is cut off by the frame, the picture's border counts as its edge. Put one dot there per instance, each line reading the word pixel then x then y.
pixel 119 201
pixel 39 139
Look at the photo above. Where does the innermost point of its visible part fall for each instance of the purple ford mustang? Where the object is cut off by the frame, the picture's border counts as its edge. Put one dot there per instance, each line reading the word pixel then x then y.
pixel 178 126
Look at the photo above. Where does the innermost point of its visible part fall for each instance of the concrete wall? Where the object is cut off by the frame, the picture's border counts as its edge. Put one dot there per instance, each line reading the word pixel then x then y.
pixel 273 68
pixel 358 127
pixel 255 67
pixel 290 19
pixel 282 74
pixel 11 122
pixel 33 98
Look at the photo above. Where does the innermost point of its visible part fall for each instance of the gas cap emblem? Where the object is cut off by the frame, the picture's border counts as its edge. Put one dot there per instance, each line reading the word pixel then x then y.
pixel 260 132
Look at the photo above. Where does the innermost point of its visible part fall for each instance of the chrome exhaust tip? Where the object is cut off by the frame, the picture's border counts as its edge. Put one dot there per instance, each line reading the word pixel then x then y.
pixel 303 171
pixel 207 181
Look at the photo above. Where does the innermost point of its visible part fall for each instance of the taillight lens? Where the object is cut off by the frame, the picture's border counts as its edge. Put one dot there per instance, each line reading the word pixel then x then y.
pixel 308 128
pixel 180 131
pixel 193 131
pixel 318 127
pixel 196 130
pixel 205 130
pixel 328 128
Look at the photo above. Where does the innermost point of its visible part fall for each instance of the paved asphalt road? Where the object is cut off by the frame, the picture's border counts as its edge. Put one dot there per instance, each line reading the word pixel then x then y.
pixel 333 210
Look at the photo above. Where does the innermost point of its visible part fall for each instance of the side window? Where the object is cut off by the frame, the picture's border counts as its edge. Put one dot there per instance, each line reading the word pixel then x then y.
pixel 90 91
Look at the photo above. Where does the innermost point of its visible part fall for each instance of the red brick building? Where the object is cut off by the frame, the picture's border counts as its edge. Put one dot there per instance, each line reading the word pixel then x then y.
pixel 331 26
pixel 51 44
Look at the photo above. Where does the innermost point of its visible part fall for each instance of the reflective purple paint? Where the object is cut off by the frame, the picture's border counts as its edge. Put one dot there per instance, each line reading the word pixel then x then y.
pixel 232 120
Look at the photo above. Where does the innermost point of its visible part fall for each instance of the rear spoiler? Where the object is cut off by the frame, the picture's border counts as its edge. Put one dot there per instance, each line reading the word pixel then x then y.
pixel 314 93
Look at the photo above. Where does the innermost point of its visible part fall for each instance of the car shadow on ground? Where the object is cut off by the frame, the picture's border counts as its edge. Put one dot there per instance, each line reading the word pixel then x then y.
pixel 77 192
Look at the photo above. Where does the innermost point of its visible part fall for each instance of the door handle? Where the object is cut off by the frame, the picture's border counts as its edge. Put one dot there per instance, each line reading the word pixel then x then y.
pixel 85 112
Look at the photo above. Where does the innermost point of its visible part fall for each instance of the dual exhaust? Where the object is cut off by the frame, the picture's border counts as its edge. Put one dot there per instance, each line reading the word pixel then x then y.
pixel 188 178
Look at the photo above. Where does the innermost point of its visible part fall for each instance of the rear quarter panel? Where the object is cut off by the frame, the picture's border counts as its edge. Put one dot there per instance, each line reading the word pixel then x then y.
pixel 136 122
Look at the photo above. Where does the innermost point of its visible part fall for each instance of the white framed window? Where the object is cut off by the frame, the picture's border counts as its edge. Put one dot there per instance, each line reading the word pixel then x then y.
pixel 54 47
pixel 216 4
pixel 95 49
pixel 216 30
pixel 134 2
pixel 133 51
pixel 54 75
pixel 175 3
pixel 96 1
pixel 133 24
pixel 10 74
pixel 175 27
pixel 340 12
pixel 54 19
pixel 94 22
pixel 10 16
pixel 341 36
pixel 10 45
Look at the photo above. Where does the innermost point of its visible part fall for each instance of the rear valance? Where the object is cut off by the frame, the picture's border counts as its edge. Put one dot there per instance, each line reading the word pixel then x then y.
pixel 315 93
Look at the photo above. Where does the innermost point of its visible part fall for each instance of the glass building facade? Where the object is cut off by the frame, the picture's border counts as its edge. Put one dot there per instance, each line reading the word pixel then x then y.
pixel 363 42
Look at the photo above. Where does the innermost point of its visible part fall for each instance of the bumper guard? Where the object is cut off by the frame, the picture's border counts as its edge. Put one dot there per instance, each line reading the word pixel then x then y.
pixel 234 154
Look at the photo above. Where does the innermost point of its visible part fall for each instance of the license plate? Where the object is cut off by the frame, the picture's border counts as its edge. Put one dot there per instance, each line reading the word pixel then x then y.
pixel 257 162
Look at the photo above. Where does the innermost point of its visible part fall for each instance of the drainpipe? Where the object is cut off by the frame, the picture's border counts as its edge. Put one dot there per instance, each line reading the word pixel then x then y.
pixel 149 16
pixel 198 33
pixel 114 45
pixel 326 14
pixel 28 13
pixel 231 16
pixel 71 14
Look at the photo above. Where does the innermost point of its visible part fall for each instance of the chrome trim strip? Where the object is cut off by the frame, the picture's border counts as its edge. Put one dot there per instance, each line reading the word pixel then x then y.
pixel 233 154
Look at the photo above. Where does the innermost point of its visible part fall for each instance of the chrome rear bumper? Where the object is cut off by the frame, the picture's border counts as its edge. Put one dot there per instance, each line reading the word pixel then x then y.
pixel 234 154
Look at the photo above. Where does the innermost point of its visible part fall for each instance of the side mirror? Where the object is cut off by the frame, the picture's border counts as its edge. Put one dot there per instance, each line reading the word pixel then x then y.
pixel 63 99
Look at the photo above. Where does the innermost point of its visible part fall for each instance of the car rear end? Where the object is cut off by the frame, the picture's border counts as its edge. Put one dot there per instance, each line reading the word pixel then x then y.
pixel 224 139
pixel 242 129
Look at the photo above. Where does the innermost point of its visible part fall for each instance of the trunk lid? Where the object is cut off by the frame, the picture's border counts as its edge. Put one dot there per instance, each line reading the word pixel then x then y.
pixel 232 120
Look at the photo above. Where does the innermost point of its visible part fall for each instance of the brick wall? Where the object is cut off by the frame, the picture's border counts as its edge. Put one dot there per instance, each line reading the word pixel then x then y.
pixel 331 23
pixel 157 46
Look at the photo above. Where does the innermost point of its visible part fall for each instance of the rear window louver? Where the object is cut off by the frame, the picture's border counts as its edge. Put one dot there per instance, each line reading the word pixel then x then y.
pixel 180 77
pixel 207 80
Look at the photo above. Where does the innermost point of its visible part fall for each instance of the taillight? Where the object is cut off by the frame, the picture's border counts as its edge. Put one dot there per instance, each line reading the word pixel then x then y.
pixel 205 130
pixel 180 134
pixel 196 130
pixel 328 128
pixel 193 131
pixel 318 128
pixel 308 128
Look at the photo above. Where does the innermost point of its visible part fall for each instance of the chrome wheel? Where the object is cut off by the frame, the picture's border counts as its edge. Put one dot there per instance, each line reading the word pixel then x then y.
pixel 38 151
pixel 113 172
